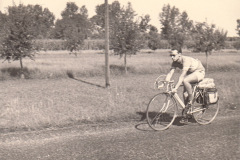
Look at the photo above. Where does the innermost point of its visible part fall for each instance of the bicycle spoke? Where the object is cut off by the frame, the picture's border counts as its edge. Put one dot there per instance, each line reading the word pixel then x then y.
pixel 205 114
pixel 198 110
pixel 156 117
pixel 163 108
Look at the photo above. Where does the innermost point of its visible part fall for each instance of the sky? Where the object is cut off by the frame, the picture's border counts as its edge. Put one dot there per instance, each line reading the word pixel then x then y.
pixel 222 13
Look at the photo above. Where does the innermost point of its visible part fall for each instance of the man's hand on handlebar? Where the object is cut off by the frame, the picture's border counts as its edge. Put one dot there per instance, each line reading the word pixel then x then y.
pixel 174 90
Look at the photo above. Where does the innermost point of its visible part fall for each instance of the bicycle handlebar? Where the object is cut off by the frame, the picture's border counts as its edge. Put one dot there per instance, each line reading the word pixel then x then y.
pixel 162 83
pixel 168 81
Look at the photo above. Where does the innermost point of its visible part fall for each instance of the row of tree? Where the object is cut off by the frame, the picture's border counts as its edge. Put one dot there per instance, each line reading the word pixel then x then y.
pixel 128 33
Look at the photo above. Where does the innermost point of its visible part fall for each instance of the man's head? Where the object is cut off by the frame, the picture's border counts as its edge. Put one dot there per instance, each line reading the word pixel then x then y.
pixel 175 54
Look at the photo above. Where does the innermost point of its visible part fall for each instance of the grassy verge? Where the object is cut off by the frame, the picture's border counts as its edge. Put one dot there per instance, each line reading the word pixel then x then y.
pixel 73 97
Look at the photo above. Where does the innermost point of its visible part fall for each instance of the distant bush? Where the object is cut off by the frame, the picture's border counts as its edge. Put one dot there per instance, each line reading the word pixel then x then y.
pixel 229 45
pixel 98 44
pixel 163 44
pixel 58 44
pixel 236 45
pixel 94 44
pixel 50 44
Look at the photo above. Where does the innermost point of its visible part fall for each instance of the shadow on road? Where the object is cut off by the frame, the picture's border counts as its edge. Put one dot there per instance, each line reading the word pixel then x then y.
pixel 143 115
pixel 177 121
pixel 70 75
pixel 143 126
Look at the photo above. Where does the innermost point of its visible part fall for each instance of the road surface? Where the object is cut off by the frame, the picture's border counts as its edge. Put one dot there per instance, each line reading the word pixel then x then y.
pixel 126 141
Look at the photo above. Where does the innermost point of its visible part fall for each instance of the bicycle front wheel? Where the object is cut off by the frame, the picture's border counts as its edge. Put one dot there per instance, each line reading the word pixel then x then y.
pixel 161 111
pixel 205 114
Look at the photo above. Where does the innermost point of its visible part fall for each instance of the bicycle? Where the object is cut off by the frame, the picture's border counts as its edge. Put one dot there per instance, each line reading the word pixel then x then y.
pixel 162 109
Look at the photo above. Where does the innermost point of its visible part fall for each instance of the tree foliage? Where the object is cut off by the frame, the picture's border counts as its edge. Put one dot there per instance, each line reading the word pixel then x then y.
pixel 238 27
pixel 98 20
pixel 74 26
pixel 145 29
pixel 43 21
pixel 154 39
pixel 175 25
pixel 144 24
pixel 3 20
pixel 237 42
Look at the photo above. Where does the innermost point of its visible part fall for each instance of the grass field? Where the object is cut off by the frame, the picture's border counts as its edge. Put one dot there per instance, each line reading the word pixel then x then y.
pixel 62 89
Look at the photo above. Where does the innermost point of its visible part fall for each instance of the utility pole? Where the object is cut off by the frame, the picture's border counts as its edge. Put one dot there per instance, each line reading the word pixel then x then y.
pixel 107 70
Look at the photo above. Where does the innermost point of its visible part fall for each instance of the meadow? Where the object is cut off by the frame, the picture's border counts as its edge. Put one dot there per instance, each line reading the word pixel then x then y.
pixel 62 89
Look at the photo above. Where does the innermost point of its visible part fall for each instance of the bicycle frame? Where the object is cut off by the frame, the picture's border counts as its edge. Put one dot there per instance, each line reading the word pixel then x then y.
pixel 196 94
pixel 178 99
pixel 176 96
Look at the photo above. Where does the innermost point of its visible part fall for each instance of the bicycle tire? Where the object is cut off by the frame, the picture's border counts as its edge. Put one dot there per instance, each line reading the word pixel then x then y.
pixel 205 114
pixel 161 111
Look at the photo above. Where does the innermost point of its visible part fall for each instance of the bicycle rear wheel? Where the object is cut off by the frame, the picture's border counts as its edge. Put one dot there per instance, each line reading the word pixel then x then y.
pixel 161 111
pixel 205 114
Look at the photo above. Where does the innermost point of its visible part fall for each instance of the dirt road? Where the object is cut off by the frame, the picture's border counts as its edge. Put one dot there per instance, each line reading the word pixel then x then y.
pixel 135 141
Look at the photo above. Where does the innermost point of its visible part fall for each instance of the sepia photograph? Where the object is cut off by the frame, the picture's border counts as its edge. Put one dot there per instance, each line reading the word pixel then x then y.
pixel 119 80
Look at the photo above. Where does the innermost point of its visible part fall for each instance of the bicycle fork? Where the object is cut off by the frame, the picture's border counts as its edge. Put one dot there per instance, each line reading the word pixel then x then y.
pixel 162 110
pixel 165 105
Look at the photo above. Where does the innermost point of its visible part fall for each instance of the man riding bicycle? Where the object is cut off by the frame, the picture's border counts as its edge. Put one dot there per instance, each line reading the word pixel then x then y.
pixel 192 72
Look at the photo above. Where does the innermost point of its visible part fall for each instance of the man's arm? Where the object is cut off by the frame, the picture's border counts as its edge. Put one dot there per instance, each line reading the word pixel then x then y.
pixel 169 75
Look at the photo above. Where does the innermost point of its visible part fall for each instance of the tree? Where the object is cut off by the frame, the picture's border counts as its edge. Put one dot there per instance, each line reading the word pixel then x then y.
pixel 175 25
pixel 43 21
pixel 74 26
pixel 70 10
pixel 18 34
pixel 144 23
pixel 124 29
pixel 107 67
pixel 207 38
pixel 114 11
pixel 3 20
pixel 98 20
pixel 154 38
pixel 236 44
pixel 124 34
pixel 238 27
pixel 145 27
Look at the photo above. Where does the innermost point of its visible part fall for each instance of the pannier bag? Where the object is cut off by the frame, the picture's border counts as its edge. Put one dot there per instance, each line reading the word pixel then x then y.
pixel 210 96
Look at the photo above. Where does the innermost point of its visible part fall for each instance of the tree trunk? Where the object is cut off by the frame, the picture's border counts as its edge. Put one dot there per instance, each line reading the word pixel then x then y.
pixel 21 64
pixel 206 61
pixel 125 62
pixel 107 68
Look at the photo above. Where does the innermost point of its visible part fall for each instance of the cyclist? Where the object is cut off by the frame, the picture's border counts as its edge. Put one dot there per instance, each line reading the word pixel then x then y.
pixel 192 72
